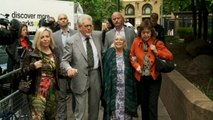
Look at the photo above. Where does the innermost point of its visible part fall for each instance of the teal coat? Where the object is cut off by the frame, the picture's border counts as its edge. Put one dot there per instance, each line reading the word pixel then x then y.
pixel 110 80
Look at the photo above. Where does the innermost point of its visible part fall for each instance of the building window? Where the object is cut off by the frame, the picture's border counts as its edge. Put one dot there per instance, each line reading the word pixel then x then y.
pixel 129 10
pixel 146 9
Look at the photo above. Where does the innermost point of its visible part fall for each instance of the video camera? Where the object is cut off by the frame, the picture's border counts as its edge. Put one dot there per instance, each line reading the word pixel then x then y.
pixel 4 21
pixel 8 30
pixel 49 22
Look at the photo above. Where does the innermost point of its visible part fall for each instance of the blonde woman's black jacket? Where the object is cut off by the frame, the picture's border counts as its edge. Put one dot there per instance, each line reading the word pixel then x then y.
pixel 28 68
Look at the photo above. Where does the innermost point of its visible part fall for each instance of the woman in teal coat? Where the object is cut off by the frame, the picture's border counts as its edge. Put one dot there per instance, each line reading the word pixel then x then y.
pixel 119 83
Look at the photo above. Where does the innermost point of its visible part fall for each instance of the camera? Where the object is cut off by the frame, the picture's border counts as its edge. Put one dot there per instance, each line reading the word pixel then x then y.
pixel 4 21
pixel 8 30
pixel 49 22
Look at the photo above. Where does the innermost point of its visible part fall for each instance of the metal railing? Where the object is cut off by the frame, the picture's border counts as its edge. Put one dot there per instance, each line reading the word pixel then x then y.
pixel 6 82
pixel 13 106
pixel 2 77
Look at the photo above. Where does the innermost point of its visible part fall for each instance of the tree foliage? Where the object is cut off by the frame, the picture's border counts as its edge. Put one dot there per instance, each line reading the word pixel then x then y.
pixel 209 4
pixel 202 7
pixel 170 6
pixel 98 9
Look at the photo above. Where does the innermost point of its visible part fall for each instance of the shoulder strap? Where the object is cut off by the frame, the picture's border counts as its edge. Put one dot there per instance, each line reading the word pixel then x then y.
pixel 155 42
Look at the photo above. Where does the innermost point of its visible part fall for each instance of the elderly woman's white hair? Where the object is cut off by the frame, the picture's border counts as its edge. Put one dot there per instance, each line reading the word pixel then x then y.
pixel 121 37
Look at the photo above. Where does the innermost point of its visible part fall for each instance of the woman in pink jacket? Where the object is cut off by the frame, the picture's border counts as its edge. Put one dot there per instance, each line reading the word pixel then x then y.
pixel 143 54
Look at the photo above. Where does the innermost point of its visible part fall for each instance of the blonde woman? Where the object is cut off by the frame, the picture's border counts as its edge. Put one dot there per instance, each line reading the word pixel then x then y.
pixel 42 66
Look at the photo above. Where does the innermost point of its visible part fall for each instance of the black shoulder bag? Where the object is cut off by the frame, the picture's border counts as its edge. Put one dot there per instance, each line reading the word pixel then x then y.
pixel 163 65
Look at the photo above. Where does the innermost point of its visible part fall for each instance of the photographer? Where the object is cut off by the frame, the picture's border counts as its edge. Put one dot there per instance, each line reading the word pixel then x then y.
pixel 49 22
pixel 8 31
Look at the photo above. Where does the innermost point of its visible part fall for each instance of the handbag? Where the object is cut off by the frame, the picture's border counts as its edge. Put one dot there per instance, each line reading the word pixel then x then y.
pixel 163 65
pixel 24 85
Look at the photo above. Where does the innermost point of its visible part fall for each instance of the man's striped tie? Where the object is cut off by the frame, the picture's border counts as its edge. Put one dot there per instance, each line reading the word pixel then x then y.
pixel 90 57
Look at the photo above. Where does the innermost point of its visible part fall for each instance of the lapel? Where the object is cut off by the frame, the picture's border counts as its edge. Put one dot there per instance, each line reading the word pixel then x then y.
pixel 111 37
pixel 97 41
pixel 60 40
pixel 113 33
pixel 79 43
pixel 71 32
pixel 126 34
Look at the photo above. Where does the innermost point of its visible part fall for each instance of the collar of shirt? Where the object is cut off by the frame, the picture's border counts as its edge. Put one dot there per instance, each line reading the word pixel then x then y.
pixel 121 32
pixel 64 36
pixel 63 33
pixel 122 29
pixel 83 37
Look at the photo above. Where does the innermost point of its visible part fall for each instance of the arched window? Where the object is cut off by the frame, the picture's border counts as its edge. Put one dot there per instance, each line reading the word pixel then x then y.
pixel 147 9
pixel 129 10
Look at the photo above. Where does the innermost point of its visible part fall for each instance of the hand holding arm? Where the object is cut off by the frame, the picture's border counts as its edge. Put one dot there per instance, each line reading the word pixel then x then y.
pixel 139 69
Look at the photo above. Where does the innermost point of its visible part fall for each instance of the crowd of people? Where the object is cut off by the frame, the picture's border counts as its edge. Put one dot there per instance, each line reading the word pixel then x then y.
pixel 114 68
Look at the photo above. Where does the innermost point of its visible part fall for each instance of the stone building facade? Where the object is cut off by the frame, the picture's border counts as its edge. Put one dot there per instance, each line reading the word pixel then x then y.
pixel 135 11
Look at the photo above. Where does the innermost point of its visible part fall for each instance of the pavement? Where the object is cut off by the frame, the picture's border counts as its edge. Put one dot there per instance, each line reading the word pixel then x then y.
pixel 162 112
